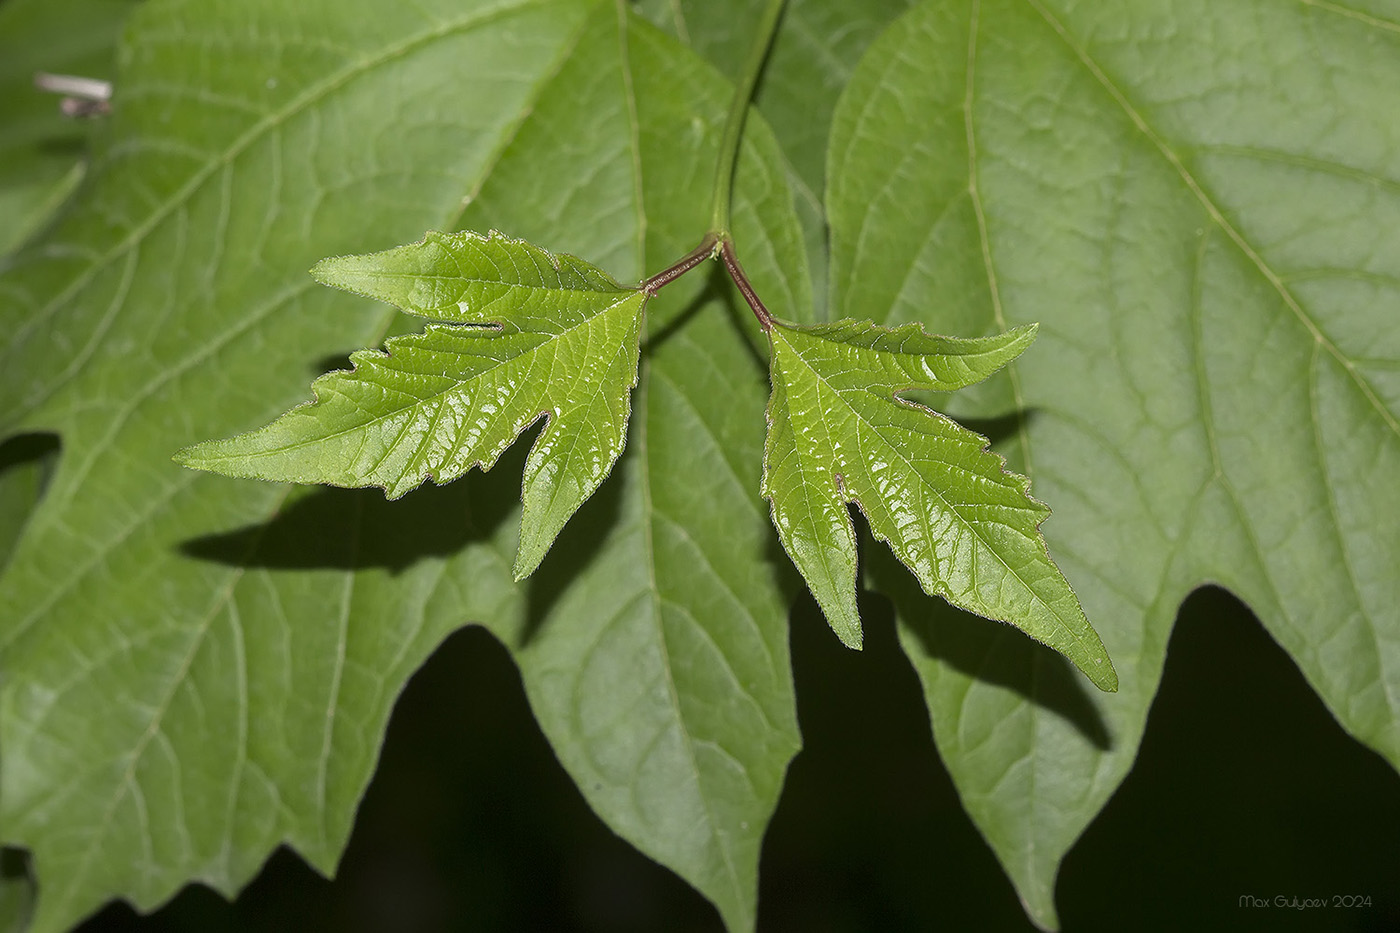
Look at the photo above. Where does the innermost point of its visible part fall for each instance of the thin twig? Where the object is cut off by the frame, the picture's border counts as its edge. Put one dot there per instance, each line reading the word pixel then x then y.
pixel 706 250
pixel 736 272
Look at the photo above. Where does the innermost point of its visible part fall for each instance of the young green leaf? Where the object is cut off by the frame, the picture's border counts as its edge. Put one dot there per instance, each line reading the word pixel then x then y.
pixel 967 528
pixel 546 337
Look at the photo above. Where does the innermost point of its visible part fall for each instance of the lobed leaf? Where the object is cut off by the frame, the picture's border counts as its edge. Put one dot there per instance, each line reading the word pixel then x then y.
pixel 549 337
pixel 968 529
pixel 197 670
pixel 1197 203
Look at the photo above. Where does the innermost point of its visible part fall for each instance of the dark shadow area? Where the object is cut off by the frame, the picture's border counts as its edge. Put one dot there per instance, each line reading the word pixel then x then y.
pixel 27 464
pixel 982 648
pixel 990 651
pixel 72 145
pixel 21 450
pixel 869 834
pixel 576 546
pixel 470 824
pixel 1002 428
pixel 348 529
pixel 14 863
pixel 16 887
pixel 1245 787
pixel 333 362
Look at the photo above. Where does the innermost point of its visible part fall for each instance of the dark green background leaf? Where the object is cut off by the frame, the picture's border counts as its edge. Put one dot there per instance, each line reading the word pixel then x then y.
pixel 198 668
pixel 817 47
pixel 1199 205
pixel 264 137
pixel 43 154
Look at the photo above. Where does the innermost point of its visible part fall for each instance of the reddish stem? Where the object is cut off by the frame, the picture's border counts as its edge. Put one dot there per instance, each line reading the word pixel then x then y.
pixel 736 272
pixel 704 251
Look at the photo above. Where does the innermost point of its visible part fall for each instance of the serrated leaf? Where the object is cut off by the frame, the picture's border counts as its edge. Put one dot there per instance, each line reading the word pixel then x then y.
pixel 659 669
pixel 966 528
pixel 1196 203
pixel 550 338
pixel 174 709
pixel 198 669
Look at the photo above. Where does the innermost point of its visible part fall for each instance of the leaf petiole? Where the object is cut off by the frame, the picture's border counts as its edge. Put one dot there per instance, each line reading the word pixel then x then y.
pixel 710 247
pixel 707 249
pixel 736 272
pixel 719 241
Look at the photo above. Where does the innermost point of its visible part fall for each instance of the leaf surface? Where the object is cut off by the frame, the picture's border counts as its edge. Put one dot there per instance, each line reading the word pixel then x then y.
pixel 547 336
pixel 184 687
pixel 658 663
pixel 812 56
pixel 1198 205
pixel 814 52
pixel 198 669
pixel 967 529
pixel 43 155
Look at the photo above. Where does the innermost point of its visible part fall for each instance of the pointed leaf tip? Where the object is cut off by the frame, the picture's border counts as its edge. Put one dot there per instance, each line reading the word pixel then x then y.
pixel 852 637
pixel 1105 676
pixel 530 553
pixel 205 456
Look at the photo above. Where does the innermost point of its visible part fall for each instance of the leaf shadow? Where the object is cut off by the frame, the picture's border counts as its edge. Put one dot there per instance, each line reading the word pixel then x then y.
pixel 331 362
pixel 712 289
pixel 574 549
pixel 997 653
pixel 986 650
pixel 27 465
pixel 38 449
pixel 327 528
pixel 578 543
pixel 70 143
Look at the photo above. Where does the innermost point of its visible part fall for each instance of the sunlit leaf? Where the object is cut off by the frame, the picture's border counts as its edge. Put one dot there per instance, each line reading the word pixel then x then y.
pixel 964 526
pixel 546 337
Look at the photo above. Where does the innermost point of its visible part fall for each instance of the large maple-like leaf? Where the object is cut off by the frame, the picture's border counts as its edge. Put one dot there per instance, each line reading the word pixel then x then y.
pixel 1198 204
pixel 197 669
pixel 966 527
pixel 549 336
